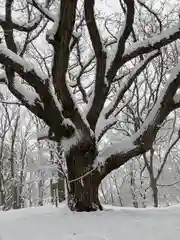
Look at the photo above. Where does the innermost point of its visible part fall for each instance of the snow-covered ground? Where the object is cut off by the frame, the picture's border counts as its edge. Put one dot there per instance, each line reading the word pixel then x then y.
pixel 48 223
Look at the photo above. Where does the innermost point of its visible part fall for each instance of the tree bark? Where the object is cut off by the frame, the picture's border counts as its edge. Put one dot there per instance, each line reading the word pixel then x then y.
pixel 83 195
pixel 2 195
pixel 133 189
pixel 61 190
pixel 84 180
pixel 40 192
pixel 154 192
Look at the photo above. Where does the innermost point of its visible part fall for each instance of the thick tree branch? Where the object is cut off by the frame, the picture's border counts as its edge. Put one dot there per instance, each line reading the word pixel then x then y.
pixel 116 155
pixel 61 53
pixel 92 27
pixel 46 104
pixel 151 44
pixel 102 83
pixel 9 58
pixel 101 87
pixel 22 67
pixel 114 66
pixel 61 46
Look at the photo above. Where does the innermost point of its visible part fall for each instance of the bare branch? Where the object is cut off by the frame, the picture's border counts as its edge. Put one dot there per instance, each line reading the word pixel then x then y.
pixel 12 103
pixel 166 156
pixel 152 12
pixel 42 10
pixel 130 79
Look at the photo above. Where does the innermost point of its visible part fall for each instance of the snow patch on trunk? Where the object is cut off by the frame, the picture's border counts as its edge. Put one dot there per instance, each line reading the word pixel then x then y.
pixel 68 143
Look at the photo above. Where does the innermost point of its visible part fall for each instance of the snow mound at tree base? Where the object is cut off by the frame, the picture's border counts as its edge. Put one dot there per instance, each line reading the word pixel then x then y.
pixel 46 223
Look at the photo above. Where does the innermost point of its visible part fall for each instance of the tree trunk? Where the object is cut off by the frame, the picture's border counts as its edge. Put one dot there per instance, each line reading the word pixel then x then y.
pixel 14 196
pixel 84 181
pixel 155 192
pixel 133 189
pixel 40 192
pixel 83 195
pixel 2 195
pixel 61 190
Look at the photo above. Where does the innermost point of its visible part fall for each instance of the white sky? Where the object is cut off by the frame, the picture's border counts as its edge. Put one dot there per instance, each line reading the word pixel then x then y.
pixel 109 6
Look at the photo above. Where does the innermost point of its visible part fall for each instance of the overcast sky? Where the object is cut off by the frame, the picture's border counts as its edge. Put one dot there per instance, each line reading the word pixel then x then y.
pixel 108 5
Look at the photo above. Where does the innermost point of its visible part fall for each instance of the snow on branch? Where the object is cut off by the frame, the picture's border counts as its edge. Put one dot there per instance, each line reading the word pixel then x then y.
pixel 140 142
pixel 150 44
pixel 103 125
pixel 18 25
pixel 42 134
pixel 29 96
pixel 32 76
pixel 20 65
pixel 177 98
pixel 3 77
pixel 104 122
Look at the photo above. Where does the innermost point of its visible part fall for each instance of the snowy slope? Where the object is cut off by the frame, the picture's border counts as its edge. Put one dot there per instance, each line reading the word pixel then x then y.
pixel 48 223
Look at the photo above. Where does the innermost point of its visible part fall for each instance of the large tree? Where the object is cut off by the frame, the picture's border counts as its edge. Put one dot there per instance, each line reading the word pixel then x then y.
pixel 89 64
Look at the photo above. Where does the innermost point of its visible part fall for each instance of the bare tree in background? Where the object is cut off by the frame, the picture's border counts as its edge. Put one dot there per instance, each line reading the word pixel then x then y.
pixel 87 66
pixel 5 126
